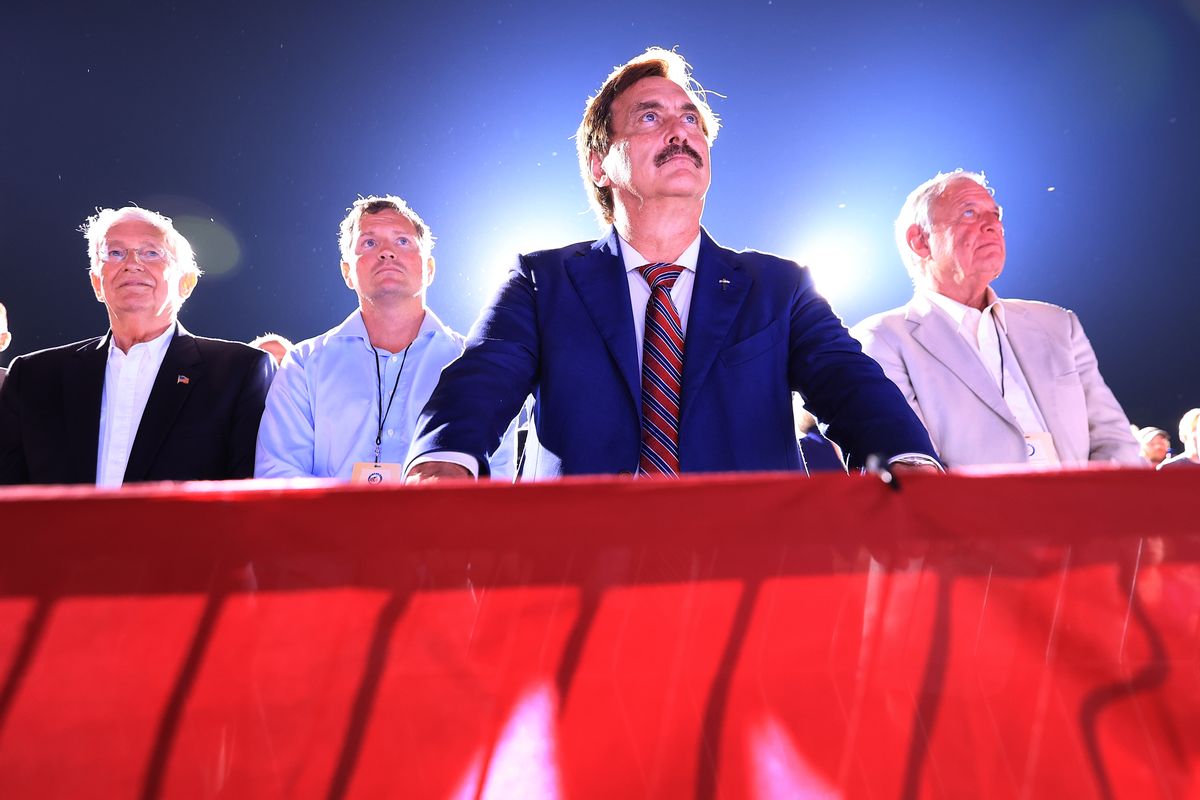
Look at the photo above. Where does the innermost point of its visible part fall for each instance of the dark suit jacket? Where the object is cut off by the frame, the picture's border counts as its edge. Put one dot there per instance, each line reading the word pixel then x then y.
pixel 561 327
pixel 201 429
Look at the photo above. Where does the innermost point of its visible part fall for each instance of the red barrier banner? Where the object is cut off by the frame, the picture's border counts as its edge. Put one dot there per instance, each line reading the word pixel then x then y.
pixel 729 637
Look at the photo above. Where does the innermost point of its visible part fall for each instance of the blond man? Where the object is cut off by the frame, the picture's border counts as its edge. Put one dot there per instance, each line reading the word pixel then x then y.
pixel 345 403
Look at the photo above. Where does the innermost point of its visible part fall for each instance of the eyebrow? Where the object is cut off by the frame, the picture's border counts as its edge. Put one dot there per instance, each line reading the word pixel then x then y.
pixel 654 104
pixel 373 231
pixel 141 243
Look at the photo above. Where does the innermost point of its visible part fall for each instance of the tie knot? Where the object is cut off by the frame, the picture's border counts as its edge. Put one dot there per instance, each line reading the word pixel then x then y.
pixel 663 275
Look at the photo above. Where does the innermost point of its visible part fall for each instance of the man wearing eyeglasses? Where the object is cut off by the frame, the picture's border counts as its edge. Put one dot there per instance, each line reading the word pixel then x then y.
pixel 147 401
pixel 654 348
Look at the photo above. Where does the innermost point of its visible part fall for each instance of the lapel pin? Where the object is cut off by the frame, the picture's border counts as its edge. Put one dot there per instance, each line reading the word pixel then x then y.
pixel 724 283
pixel 182 379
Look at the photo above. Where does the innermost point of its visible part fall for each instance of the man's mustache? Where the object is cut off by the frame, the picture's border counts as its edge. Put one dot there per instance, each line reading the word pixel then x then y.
pixel 672 150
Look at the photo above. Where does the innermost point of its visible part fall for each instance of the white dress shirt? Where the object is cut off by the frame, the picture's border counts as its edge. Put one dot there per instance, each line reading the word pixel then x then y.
pixel 639 289
pixel 987 333
pixel 128 379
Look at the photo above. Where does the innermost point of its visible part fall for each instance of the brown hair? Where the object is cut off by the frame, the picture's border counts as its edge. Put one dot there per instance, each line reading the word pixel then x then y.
pixel 595 131
pixel 373 205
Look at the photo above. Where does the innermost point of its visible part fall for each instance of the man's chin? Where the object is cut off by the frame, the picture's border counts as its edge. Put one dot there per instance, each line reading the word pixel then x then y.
pixel 130 306
pixel 685 184
pixel 391 292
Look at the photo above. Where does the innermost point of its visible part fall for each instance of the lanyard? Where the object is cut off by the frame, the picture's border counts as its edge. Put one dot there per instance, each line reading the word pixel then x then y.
pixel 379 394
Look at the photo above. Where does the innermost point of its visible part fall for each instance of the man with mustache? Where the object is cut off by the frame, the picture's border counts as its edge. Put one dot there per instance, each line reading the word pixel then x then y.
pixel 995 381
pixel 654 350
pixel 148 401
pixel 345 403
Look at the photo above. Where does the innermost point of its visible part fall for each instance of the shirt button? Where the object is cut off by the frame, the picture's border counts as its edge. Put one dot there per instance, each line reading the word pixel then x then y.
pixel 393 359
pixel 391 431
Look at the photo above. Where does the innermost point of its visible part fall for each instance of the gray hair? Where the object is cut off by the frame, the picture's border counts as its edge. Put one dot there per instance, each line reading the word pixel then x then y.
pixel 96 227
pixel 915 211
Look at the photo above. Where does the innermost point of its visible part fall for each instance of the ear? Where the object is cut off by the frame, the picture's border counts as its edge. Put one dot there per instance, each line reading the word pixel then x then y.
pixel 187 284
pixel 96 286
pixel 596 165
pixel 347 274
pixel 5 338
pixel 430 269
pixel 918 240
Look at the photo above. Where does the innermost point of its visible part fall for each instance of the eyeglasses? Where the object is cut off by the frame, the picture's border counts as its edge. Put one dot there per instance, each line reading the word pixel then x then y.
pixel 145 255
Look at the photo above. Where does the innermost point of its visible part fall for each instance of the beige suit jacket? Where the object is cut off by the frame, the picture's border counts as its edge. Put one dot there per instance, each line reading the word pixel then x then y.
pixel 969 421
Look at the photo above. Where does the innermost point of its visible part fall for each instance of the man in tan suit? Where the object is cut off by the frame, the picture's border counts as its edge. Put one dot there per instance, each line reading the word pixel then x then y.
pixel 995 381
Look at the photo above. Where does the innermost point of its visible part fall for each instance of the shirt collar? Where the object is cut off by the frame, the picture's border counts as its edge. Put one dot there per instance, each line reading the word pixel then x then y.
pixel 958 311
pixel 155 347
pixel 635 260
pixel 354 327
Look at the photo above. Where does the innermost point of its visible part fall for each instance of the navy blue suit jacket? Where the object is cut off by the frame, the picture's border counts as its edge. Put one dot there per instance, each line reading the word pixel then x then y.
pixel 561 328
pixel 201 428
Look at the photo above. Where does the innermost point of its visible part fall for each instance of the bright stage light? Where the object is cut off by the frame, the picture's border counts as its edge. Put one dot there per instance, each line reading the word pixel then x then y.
pixel 838 260
pixel 497 252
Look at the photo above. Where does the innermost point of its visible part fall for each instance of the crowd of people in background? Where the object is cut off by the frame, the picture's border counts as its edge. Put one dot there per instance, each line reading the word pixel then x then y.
pixel 651 351
pixel 1155 443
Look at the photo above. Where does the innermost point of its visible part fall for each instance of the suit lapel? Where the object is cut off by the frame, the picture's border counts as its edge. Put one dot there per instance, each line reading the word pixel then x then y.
pixel 718 291
pixel 600 281
pixel 83 394
pixel 944 343
pixel 167 397
pixel 1033 348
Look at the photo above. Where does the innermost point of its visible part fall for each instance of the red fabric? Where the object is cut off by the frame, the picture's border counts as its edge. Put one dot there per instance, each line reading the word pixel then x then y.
pixel 1004 636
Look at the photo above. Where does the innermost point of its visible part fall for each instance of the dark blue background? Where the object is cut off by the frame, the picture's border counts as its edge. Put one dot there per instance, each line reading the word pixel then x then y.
pixel 257 125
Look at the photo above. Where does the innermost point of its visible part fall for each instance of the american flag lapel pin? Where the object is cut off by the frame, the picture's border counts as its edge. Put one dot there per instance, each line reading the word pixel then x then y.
pixel 182 379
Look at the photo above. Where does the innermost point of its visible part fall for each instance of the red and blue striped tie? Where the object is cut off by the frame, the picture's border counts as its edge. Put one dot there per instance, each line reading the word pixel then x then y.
pixel 662 374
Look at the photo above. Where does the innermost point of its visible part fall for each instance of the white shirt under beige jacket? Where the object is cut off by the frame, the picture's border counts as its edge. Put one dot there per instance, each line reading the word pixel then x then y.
pixel 924 351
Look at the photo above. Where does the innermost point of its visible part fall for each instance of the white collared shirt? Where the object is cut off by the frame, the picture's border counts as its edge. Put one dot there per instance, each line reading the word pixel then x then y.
pixel 639 289
pixel 128 379
pixel 987 333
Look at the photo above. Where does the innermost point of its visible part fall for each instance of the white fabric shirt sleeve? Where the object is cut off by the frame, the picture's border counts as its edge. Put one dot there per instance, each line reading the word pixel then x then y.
pixel 287 431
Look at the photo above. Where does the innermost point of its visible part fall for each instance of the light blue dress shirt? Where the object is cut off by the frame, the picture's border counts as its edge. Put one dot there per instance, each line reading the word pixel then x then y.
pixel 322 412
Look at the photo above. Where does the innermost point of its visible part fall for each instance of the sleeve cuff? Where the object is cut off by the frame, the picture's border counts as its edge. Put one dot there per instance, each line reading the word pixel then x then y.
pixel 916 460
pixel 467 462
